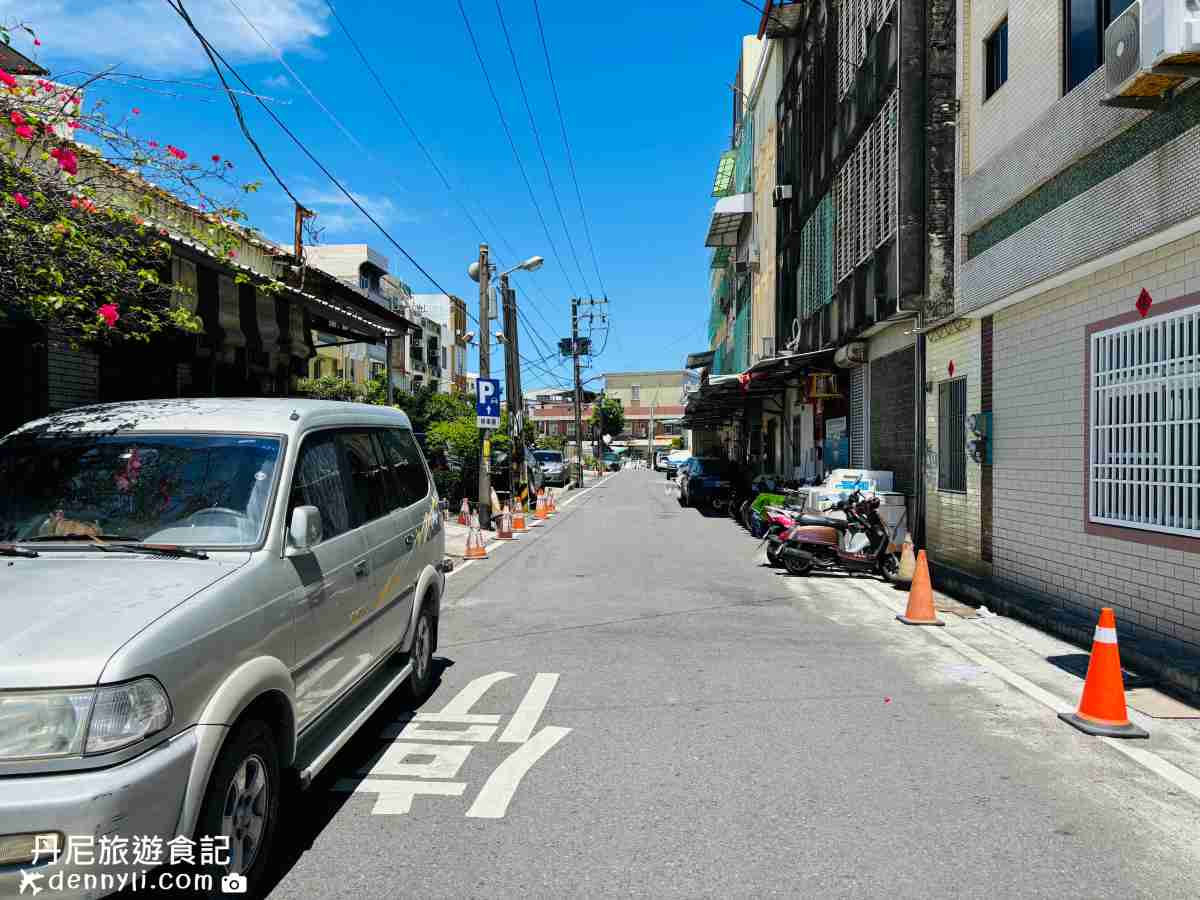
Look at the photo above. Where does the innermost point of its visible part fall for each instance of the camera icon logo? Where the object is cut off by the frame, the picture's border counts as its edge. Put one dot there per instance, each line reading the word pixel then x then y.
pixel 233 883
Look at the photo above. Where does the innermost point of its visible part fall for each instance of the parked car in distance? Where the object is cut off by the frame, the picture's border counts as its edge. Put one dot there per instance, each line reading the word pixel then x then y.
pixel 552 466
pixel 705 481
pixel 612 461
pixel 660 460
pixel 675 459
pixel 209 595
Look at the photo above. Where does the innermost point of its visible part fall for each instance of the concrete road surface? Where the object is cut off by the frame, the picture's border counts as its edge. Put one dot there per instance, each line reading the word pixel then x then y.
pixel 630 706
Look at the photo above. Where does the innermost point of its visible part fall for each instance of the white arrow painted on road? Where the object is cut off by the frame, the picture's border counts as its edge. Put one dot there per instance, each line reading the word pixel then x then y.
pixel 498 790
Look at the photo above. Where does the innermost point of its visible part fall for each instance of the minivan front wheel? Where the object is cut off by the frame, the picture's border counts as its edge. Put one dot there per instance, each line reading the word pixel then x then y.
pixel 242 801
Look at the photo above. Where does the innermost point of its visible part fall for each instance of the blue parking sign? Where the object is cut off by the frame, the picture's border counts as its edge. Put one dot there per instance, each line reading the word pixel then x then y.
pixel 487 403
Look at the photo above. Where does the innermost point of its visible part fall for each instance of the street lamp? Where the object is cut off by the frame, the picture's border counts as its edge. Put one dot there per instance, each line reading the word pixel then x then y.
pixel 481 271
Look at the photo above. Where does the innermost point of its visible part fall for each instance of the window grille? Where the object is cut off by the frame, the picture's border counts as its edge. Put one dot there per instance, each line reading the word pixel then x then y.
pixel 1144 470
pixel 952 435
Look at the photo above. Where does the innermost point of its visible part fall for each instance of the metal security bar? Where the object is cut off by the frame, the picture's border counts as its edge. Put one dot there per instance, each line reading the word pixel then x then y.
pixel 952 435
pixel 858 417
pixel 1144 470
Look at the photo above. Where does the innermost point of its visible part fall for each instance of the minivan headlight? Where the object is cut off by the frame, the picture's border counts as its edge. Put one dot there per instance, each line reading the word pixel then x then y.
pixel 47 724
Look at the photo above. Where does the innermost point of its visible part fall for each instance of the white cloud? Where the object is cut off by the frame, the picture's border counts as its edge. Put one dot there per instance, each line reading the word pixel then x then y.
pixel 147 36
pixel 278 82
pixel 337 215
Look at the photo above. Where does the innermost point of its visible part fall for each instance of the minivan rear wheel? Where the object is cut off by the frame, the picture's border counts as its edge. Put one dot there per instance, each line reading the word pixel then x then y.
pixel 242 803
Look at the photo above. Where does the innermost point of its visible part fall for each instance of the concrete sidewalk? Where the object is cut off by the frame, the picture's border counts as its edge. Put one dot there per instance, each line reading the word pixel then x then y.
pixel 456 535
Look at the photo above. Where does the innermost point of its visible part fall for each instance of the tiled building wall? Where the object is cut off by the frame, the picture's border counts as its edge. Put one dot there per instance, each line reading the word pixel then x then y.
pixel 1034 71
pixel 952 520
pixel 1039 540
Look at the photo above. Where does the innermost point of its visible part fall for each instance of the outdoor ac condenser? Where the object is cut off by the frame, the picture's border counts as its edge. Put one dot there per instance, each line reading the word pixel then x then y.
pixel 1145 42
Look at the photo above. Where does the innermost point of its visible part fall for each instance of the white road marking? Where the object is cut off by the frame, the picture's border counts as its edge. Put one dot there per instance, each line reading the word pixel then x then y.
pixel 1185 781
pixel 447 760
pixel 459 707
pixel 498 790
pixel 396 797
pixel 479 734
pixel 525 719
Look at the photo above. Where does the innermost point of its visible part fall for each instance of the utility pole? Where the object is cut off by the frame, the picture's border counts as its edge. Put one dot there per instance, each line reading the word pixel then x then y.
pixel 516 405
pixel 650 433
pixel 485 356
pixel 578 389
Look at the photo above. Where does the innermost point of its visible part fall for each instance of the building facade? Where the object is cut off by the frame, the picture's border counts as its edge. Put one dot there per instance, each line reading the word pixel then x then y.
pixel 1076 332
pixel 860 219
pixel 450 314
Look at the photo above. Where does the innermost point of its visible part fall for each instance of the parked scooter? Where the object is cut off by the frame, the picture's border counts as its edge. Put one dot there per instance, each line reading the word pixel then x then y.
pixel 779 521
pixel 860 543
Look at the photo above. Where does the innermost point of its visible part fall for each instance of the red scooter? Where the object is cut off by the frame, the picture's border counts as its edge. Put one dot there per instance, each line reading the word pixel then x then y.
pixel 859 543
pixel 779 522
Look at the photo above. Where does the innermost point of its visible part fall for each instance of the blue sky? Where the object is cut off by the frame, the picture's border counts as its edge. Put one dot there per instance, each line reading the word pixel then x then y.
pixel 644 92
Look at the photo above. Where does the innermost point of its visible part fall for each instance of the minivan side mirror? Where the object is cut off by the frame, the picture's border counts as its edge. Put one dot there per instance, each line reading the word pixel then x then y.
pixel 304 531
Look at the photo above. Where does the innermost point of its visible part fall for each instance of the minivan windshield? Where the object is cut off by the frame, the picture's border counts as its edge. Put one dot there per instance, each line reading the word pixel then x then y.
pixel 158 488
pixel 547 456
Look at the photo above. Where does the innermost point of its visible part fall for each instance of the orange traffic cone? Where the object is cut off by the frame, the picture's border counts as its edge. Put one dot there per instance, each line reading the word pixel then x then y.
pixel 518 518
pixel 541 512
pixel 475 548
pixel 1102 706
pixel 504 529
pixel 464 514
pixel 920 597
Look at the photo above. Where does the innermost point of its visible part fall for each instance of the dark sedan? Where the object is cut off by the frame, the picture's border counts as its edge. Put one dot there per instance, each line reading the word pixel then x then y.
pixel 705 482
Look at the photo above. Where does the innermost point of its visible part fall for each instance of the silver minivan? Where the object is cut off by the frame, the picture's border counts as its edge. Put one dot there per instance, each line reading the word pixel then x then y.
pixel 201 600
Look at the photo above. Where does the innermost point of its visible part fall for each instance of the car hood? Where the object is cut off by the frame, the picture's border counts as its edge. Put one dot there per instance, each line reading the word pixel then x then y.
pixel 66 613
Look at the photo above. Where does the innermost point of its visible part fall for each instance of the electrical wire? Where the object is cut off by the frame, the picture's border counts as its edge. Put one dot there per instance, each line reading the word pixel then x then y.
pixel 567 143
pixel 513 144
pixel 211 51
pixel 537 137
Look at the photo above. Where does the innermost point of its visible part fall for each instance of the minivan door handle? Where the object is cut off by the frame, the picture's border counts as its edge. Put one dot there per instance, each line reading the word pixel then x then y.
pixel 362 569
pixel 410 539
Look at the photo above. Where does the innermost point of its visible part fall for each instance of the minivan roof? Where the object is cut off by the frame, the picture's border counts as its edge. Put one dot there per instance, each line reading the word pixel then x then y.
pixel 249 415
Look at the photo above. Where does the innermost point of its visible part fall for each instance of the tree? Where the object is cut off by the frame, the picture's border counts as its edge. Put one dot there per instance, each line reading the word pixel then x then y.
pixel 551 442
pixel 609 415
pixel 330 387
pixel 83 226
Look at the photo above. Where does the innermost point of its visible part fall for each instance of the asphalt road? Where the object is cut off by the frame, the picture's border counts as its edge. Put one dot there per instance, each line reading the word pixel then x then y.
pixel 716 728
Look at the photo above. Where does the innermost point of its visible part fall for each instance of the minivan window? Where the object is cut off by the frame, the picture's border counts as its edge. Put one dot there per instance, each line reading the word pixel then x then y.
pixel 203 489
pixel 547 456
pixel 402 458
pixel 369 486
pixel 318 482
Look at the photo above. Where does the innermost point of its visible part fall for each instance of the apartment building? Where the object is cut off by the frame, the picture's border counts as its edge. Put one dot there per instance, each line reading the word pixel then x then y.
pixel 1065 389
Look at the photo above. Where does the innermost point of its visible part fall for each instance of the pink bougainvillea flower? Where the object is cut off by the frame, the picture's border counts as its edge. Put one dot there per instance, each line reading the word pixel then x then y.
pixel 138 220
pixel 73 124
pixel 74 202
pixel 216 158
pixel 163 232
pixel 109 313
pixel 16 117
pixel 154 144
pixel 136 111
pixel 122 482
pixel 177 153
pixel 21 200
pixel 7 79
pixel 67 160
pixel 233 254
pixel 36 42
pixel 25 132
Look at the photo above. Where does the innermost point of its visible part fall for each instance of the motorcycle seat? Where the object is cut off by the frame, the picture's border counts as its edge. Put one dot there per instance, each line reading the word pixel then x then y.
pixel 823 521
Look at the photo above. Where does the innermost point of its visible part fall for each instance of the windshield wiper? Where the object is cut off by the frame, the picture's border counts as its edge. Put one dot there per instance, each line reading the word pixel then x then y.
pixel 127 545
pixel 77 536
pixel 10 550
pixel 155 549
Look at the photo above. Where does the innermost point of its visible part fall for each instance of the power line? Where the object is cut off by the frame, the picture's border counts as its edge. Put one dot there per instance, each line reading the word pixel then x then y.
pixel 425 151
pixel 210 50
pixel 567 143
pixel 512 143
pixel 538 140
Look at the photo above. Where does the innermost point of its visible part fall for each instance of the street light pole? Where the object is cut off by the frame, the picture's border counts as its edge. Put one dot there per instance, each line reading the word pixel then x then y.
pixel 485 354
pixel 516 407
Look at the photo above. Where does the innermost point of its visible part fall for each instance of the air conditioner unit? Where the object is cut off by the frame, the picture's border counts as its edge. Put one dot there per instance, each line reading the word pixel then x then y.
pixel 782 194
pixel 1152 47
pixel 850 355
pixel 741 267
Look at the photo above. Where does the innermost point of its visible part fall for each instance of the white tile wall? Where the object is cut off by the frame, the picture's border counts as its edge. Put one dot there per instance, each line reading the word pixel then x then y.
pixel 952 521
pixel 1034 71
pixel 1039 538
